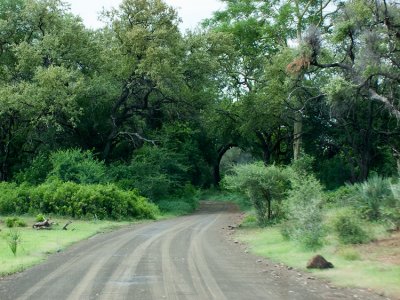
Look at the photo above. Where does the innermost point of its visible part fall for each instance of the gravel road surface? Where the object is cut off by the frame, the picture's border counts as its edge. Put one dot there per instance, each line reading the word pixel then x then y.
pixel 190 257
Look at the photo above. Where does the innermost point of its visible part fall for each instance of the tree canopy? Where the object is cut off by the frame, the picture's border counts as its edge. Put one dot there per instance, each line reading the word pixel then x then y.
pixel 274 78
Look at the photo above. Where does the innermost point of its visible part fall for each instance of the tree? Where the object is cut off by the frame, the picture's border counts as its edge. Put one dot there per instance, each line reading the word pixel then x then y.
pixel 265 186
pixel 363 80
pixel 43 64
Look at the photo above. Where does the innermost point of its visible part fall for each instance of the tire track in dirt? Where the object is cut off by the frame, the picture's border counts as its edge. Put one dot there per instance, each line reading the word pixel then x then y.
pixel 186 258
pixel 127 268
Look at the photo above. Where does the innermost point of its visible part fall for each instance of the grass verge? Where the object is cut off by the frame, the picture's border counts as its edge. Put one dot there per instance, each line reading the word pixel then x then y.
pixel 353 267
pixel 34 245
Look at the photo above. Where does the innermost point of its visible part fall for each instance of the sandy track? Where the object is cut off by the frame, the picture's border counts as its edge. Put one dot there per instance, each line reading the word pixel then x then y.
pixel 185 258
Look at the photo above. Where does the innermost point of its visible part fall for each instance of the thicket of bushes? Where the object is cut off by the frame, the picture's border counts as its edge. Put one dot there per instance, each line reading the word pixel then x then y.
pixel 75 200
pixel 296 199
pixel 73 182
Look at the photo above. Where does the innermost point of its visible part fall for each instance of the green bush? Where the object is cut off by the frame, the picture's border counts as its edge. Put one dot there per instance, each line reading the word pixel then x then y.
pixel 77 200
pixel 15 222
pixel 304 212
pixel 156 172
pixel 391 211
pixel 37 172
pixel 340 196
pixel 14 199
pixel 266 187
pixel 77 166
pixel 303 165
pixel 249 221
pixel 13 239
pixel 40 218
pixel 349 228
pixel 371 196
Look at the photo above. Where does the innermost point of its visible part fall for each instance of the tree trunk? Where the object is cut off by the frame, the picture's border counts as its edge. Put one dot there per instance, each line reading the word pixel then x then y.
pixel 297 135
pixel 265 140
pixel 221 152
pixel 398 166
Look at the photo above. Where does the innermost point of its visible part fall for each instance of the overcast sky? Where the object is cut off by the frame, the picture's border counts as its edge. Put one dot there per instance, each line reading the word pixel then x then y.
pixel 190 11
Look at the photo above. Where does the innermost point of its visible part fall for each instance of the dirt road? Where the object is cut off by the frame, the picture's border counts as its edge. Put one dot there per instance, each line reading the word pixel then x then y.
pixel 184 258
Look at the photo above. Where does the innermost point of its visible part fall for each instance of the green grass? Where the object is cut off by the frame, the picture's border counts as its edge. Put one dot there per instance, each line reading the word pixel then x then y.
pixel 350 269
pixel 35 245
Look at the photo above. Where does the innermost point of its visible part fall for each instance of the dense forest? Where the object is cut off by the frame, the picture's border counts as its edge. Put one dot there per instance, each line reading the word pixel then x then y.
pixel 140 107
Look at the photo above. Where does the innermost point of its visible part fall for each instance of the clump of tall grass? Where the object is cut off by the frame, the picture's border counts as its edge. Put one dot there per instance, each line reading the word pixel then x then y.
pixel 13 240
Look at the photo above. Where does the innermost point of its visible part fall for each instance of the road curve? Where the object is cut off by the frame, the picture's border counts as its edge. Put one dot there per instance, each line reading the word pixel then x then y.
pixel 184 258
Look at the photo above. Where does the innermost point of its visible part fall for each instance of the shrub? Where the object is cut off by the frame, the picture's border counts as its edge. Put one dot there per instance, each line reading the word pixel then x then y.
pixel 15 222
pixel 156 172
pixel 249 221
pixel 391 211
pixel 37 172
pixel 349 228
pixel 8 196
pixel 186 201
pixel 303 165
pixel 40 218
pixel 13 239
pixel 79 200
pixel 340 196
pixel 77 166
pixel 266 187
pixel 371 196
pixel 304 212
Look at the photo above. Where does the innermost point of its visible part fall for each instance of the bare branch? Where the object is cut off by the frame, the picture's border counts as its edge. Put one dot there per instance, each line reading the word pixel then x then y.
pixel 388 104
pixel 133 135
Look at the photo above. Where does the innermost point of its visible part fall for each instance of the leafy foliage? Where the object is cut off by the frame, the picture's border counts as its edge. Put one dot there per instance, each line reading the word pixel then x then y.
pixel 304 212
pixel 266 187
pixel 371 196
pixel 76 200
pixel 77 166
pixel 13 239
pixel 349 227
pixel 158 109
pixel 15 222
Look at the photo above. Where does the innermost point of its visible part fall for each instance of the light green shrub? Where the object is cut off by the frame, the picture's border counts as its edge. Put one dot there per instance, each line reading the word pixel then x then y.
pixel 391 211
pixel 349 228
pixel 372 195
pixel 266 187
pixel 13 239
pixel 79 200
pixel 40 218
pixel 249 221
pixel 340 196
pixel 304 212
pixel 15 222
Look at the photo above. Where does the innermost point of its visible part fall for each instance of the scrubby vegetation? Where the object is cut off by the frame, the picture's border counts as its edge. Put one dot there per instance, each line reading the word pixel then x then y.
pixel 306 213
pixel 265 187
pixel 75 200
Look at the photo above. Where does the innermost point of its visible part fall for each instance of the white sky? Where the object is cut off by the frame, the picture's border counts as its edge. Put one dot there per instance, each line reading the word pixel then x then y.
pixel 190 11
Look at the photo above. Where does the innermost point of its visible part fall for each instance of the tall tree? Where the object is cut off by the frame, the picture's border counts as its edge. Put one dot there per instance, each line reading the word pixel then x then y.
pixel 44 58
